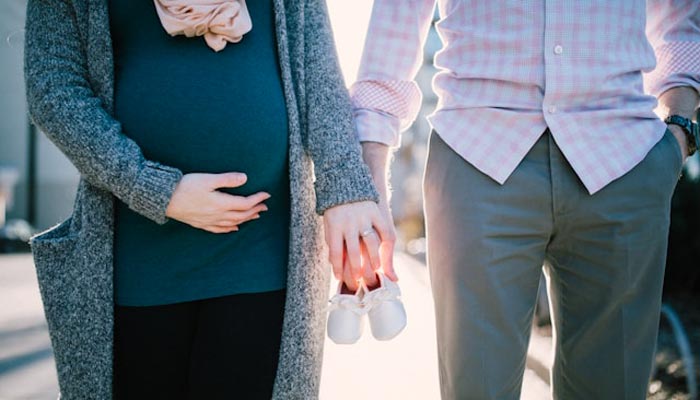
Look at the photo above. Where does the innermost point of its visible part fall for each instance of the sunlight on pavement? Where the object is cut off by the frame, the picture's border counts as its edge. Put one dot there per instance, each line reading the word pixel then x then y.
pixel 405 367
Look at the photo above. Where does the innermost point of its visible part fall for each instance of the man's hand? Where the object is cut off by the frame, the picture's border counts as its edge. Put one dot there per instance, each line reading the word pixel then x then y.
pixel 376 156
pixel 197 203
pixel 386 250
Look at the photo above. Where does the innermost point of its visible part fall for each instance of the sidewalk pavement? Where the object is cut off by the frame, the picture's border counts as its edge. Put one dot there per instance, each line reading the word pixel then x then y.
pixel 404 368
pixel 26 360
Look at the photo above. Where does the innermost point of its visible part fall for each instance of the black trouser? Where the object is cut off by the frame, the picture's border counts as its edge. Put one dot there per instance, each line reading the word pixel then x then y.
pixel 220 348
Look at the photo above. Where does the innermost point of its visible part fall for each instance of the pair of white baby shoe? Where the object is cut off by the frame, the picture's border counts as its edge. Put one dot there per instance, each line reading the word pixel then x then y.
pixel 387 316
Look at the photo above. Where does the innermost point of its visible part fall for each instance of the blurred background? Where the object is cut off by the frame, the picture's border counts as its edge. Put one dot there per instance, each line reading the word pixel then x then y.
pixel 37 187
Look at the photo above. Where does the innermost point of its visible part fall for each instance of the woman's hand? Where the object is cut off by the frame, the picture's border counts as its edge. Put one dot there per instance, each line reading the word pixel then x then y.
pixel 354 234
pixel 196 202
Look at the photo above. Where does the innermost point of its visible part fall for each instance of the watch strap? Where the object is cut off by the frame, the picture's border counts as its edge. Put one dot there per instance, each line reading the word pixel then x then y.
pixel 691 129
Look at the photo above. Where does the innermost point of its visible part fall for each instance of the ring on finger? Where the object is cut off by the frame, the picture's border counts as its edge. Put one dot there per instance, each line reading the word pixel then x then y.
pixel 367 232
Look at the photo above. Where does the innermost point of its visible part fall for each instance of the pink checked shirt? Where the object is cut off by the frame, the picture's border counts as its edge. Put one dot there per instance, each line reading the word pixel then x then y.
pixel 511 68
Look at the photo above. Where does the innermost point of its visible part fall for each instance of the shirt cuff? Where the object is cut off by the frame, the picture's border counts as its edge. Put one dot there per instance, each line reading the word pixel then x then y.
pixel 678 65
pixel 375 126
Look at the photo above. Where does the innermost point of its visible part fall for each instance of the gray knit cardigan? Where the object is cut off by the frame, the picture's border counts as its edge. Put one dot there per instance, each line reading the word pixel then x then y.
pixel 69 77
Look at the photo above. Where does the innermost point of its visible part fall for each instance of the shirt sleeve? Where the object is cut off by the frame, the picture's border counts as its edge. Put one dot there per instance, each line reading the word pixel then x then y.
pixel 386 98
pixel 673 29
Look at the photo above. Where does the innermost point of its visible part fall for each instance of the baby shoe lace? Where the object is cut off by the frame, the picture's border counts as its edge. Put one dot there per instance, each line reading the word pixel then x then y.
pixel 346 303
pixel 379 296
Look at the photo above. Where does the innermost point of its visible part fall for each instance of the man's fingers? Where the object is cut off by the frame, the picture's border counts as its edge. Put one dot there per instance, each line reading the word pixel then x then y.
pixel 227 180
pixel 352 247
pixel 384 229
pixel 386 252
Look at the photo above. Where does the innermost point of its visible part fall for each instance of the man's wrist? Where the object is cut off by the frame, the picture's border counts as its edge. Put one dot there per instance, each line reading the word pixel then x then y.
pixel 376 155
pixel 689 128
pixel 681 100
pixel 681 137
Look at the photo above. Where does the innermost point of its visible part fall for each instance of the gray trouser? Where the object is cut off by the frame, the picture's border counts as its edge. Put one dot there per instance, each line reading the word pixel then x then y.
pixel 603 255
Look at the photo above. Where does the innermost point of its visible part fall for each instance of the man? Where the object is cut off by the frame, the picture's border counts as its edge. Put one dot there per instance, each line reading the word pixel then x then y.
pixel 545 149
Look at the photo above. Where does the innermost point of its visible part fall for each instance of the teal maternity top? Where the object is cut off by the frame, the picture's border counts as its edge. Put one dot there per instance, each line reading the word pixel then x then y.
pixel 200 111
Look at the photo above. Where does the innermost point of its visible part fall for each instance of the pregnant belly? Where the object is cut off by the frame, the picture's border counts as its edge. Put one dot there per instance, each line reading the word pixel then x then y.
pixel 198 133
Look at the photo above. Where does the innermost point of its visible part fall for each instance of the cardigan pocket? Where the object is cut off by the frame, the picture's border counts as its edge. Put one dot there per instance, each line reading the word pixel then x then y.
pixel 56 261
pixel 75 287
pixel 54 234
pixel 55 255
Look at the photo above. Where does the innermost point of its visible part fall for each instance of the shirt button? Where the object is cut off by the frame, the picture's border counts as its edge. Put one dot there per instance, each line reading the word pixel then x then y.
pixel 552 109
pixel 558 49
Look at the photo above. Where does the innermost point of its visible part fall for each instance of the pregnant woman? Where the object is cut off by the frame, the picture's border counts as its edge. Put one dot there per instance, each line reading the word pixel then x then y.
pixel 191 266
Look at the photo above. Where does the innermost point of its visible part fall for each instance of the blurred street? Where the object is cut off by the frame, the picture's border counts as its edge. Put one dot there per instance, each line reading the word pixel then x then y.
pixel 404 368
pixel 26 360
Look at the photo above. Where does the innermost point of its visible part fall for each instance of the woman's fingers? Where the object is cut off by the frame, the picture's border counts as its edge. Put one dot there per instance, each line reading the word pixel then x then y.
pixel 335 252
pixel 370 244
pixel 226 180
pixel 348 278
pixel 241 216
pixel 221 229
pixel 226 224
pixel 232 223
pixel 196 202
pixel 230 202
pixel 344 226
pixel 352 246
pixel 369 276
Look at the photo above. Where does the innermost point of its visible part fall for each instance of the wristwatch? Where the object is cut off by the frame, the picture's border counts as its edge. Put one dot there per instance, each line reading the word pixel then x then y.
pixel 692 132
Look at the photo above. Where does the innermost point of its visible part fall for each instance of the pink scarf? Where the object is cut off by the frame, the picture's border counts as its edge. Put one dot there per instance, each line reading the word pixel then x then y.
pixel 219 21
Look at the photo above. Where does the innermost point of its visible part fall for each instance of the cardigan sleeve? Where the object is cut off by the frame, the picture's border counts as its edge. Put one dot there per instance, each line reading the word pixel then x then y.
pixel 64 106
pixel 341 174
